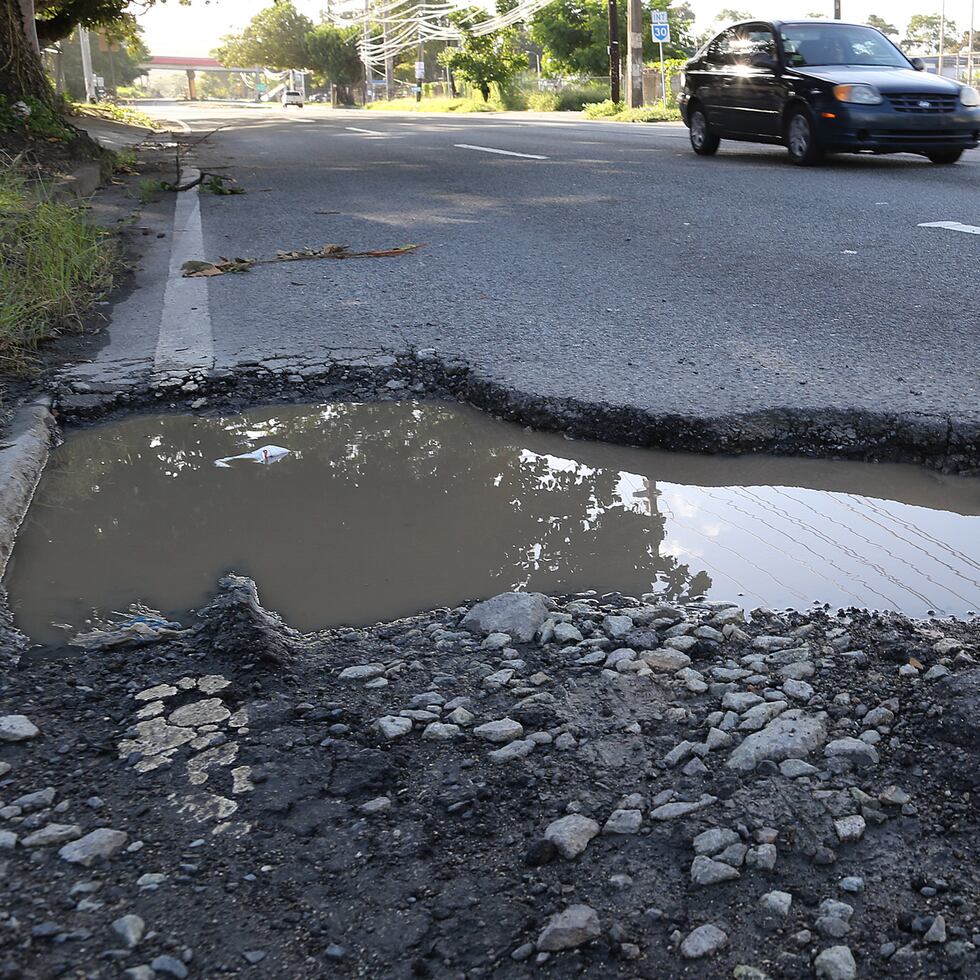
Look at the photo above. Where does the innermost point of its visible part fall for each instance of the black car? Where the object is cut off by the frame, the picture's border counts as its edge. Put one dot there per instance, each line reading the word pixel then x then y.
pixel 823 87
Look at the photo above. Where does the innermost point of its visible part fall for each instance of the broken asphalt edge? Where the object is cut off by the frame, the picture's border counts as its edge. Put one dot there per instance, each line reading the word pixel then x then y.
pixel 941 442
pixel 23 456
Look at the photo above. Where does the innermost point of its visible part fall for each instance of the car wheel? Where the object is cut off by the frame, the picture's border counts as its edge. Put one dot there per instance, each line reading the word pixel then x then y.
pixel 945 156
pixel 703 141
pixel 801 140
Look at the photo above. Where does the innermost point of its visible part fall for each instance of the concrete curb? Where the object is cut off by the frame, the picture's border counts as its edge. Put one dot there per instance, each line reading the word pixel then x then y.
pixel 77 186
pixel 23 456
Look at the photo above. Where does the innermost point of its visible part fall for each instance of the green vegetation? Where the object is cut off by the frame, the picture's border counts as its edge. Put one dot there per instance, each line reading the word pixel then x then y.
pixel 333 57
pixel 438 105
pixel 617 112
pixel 115 113
pixel 53 267
pixel 32 117
pixel 275 37
pixel 483 60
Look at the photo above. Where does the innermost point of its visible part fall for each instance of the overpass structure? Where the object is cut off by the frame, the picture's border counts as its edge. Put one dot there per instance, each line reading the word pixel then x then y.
pixel 194 65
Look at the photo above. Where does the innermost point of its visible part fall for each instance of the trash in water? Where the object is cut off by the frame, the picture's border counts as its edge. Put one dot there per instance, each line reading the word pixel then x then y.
pixel 141 625
pixel 267 454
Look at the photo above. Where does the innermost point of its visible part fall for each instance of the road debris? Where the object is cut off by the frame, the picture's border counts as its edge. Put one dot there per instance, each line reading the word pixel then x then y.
pixel 264 455
pixel 198 268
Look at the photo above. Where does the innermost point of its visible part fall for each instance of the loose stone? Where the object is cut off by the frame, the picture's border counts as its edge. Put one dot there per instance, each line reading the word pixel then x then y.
pixel 129 928
pixel 98 845
pixel 703 941
pixel 577 925
pixel 17 728
pixel 500 731
pixel 835 963
pixel 571 834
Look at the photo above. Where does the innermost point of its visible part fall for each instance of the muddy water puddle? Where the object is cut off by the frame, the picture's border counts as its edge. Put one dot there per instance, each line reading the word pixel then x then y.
pixel 382 510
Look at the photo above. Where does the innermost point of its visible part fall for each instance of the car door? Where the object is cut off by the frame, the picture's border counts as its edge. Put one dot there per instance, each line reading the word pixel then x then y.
pixel 712 73
pixel 751 91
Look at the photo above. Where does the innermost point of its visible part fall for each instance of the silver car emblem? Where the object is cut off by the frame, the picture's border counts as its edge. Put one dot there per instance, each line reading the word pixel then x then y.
pixel 925 105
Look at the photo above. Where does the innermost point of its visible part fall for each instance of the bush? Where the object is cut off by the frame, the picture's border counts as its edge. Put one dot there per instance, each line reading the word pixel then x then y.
pixel 437 105
pixel 53 267
pixel 575 98
pixel 117 113
pixel 605 109
pixel 543 102
pixel 617 112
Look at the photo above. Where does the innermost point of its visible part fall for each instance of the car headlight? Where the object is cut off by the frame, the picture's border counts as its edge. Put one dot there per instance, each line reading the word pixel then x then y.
pixel 969 96
pixel 860 94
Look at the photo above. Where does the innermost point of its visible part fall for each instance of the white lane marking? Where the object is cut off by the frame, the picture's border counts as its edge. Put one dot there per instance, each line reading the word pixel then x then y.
pixel 952 226
pixel 366 132
pixel 184 128
pixel 185 340
pixel 506 153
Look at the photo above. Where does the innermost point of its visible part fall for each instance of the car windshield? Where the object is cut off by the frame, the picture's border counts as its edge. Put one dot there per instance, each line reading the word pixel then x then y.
pixel 838 44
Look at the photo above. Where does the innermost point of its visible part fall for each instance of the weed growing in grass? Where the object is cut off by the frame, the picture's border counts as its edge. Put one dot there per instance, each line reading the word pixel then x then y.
pixel 53 267
pixel 148 189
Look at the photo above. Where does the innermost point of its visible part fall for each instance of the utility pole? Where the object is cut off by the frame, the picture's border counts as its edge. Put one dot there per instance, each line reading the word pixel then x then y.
pixel 942 38
pixel 969 54
pixel 613 51
pixel 389 63
pixel 837 14
pixel 634 53
pixel 85 42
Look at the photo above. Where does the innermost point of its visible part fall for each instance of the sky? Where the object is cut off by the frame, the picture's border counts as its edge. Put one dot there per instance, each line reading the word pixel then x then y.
pixel 171 29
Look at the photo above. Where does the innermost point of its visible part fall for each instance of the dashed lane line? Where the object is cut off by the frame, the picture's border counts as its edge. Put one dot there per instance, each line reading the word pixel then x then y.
pixel 952 226
pixel 506 153
pixel 185 340
pixel 365 132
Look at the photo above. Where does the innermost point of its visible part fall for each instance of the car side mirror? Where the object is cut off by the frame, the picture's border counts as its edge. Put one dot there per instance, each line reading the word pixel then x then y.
pixel 761 60
pixel 918 64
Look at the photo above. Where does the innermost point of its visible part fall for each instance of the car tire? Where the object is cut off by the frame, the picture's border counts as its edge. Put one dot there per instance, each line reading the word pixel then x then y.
pixel 703 141
pixel 801 139
pixel 945 157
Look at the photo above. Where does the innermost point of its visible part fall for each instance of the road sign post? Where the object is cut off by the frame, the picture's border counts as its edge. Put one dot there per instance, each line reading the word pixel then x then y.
pixel 661 34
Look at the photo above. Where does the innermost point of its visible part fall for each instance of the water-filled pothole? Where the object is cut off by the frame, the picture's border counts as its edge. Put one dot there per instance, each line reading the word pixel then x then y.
pixel 382 510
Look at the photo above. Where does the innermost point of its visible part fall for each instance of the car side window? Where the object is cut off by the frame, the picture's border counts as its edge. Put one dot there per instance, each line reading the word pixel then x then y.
pixel 755 39
pixel 719 54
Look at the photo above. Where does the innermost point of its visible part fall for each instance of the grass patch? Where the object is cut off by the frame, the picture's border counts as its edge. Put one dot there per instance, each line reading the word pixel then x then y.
pixel 617 112
pixel 53 267
pixel 438 105
pixel 116 113
pixel 32 118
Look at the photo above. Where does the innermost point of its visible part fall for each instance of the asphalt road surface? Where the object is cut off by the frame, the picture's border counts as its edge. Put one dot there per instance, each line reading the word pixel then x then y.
pixel 599 260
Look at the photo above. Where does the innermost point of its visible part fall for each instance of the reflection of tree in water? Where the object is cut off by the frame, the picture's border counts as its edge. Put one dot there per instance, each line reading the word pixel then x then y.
pixel 547 520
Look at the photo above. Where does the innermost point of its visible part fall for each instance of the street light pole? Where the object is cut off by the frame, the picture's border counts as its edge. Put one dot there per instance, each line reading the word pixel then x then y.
pixel 84 41
pixel 613 51
pixel 837 14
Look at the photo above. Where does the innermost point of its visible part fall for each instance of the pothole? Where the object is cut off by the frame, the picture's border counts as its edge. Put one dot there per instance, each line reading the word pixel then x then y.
pixel 380 510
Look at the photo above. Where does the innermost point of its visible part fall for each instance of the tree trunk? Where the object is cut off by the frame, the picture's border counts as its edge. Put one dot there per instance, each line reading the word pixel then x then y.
pixel 21 74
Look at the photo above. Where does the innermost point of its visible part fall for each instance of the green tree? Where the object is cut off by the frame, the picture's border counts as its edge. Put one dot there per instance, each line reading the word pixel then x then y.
pixel 275 38
pixel 332 56
pixel 482 59
pixel 880 24
pixel 117 61
pixel 924 32
pixel 28 25
pixel 574 35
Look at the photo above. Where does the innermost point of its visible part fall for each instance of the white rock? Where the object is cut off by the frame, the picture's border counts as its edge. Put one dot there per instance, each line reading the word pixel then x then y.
pixel 835 963
pixel 96 846
pixel 706 871
pixel 156 693
pixel 436 731
pixel 777 902
pixel 53 833
pixel 571 834
pixel 623 822
pixel 361 672
pixel 517 749
pixel 577 925
pixel 784 738
pixel 716 839
pixel 850 829
pixel 519 614
pixel 130 929
pixel 393 726
pixel 567 633
pixel 703 941
pixel 853 750
pixel 665 659
pixel 500 731
pixel 17 728
pixel 496 641
pixel 460 716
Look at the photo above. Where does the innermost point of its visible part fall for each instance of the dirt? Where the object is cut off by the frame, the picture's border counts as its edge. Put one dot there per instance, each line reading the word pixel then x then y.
pixel 274 865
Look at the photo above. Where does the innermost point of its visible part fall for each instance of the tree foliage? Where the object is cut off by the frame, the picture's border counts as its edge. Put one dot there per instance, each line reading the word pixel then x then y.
pixel 116 61
pixel 925 30
pixel 275 37
pixel 574 35
pixel 485 59
pixel 332 56
pixel 880 24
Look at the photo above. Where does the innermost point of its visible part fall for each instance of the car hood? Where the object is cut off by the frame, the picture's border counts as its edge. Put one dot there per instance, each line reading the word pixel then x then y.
pixel 883 79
